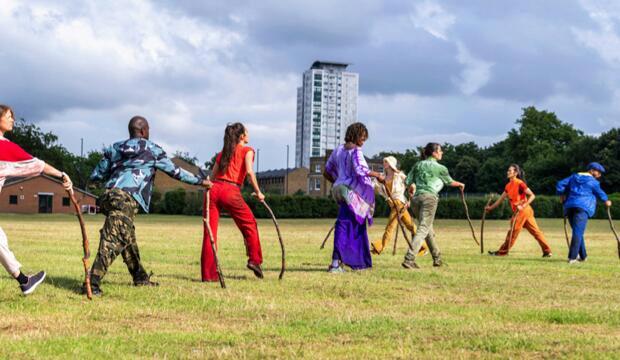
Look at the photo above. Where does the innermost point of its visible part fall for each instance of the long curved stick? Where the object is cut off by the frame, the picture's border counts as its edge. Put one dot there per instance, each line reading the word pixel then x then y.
pixel 398 215
pixel 275 222
pixel 206 202
pixel 327 236
pixel 513 222
pixel 471 226
pixel 484 216
pixel 85 244
pixel 395 241
pixel 566 233
pixel 613 229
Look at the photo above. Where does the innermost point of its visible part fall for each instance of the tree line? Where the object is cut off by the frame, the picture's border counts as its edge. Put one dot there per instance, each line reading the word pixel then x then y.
pixel 547 148
pixel 544 146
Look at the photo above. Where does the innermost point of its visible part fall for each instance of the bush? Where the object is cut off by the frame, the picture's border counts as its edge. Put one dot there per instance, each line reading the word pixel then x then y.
pixel 306 207
pixel 174 201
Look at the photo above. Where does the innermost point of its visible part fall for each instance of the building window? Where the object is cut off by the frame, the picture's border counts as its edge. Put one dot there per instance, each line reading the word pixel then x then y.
pixel 12 199
pixel 65 201
pixel 317 168
pixel 317 184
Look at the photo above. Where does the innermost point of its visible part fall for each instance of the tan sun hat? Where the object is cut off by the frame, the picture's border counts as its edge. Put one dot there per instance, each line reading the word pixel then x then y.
pixel 392 163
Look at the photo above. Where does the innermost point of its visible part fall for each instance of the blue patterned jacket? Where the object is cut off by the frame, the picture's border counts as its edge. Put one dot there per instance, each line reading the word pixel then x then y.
pixel 130 165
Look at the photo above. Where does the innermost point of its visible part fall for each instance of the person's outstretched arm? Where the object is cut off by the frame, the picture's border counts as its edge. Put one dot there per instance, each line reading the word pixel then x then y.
pixel 249 164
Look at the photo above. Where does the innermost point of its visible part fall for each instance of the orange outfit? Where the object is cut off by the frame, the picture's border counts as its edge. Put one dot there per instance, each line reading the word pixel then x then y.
pixel 515 190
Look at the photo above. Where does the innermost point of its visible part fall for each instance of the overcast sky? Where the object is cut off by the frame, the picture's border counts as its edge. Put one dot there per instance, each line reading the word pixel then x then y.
pixel 440 70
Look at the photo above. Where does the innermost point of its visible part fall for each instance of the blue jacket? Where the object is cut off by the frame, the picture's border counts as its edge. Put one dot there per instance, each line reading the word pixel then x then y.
pixel 581 191
pixel 130 165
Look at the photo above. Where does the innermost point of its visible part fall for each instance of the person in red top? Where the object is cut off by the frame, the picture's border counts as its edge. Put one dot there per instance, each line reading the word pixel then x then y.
pixel 232 165
pixel 520 197
pixel 15 162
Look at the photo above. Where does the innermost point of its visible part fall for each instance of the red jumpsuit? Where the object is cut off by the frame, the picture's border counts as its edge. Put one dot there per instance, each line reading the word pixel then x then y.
pixel 226 195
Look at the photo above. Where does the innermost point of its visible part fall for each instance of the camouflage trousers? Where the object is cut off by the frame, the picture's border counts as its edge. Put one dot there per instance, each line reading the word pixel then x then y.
pixel 118 236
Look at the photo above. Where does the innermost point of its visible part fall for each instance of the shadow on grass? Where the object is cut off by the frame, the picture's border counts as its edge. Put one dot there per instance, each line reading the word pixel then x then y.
pixel 301 269
pixel 197 280
pixel 66 283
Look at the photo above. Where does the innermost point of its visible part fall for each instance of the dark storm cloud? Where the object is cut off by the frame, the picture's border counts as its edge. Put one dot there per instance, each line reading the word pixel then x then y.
pixel 531 44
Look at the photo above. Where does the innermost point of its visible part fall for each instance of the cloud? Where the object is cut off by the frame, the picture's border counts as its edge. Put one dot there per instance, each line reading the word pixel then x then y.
pixel 605 40
pixel 431 17
pixel 476 73
pixel 444 69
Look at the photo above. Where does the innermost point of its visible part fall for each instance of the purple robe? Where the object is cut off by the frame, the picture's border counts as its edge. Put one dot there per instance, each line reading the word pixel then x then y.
pixel 349 168
pixel 354 193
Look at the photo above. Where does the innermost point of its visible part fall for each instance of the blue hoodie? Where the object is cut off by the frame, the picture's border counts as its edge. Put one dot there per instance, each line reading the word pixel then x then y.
pixel 581 191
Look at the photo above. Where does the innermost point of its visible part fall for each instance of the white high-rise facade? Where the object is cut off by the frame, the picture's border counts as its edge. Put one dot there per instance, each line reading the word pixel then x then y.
pixel 326 105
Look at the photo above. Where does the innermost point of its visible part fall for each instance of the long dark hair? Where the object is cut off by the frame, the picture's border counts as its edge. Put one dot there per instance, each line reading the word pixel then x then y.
pixel 520 172
pixel 429 149
pixel 232 134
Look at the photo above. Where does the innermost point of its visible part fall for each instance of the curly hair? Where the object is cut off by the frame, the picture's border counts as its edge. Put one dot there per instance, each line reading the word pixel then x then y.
pixel 356 132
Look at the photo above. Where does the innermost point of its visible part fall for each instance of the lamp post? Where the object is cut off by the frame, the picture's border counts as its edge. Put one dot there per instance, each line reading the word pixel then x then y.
pixel 286 191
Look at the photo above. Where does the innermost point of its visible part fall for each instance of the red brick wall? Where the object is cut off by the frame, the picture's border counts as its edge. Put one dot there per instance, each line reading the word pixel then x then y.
pixel 164 183
pixel 28 200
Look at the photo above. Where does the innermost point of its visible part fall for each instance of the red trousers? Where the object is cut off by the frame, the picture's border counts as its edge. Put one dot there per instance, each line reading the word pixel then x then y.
pixel 225 196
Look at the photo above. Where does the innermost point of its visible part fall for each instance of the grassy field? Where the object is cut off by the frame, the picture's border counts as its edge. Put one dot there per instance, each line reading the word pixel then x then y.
pixel 477 306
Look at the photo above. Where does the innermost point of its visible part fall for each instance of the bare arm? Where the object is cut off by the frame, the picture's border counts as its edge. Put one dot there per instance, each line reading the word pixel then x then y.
pixel 249 162
pixel 411 190
pixel 496 203
pixel 458 185
pixel 379 176
pixel 530 197
pixel 52 171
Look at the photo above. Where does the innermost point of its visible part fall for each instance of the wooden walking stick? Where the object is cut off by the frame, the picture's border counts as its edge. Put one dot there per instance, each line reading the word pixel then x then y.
pixel 395 241
pixel 613 229
pixel 471 226
pixel 484 216
pixel 275 222
pixel 513 222
pixel 401 212
pixel 206 202
pixel 327 236
pixel 85 244
pixel 398 215
pixel 566 233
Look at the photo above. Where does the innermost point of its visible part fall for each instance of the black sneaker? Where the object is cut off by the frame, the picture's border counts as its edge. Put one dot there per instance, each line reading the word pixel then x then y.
pixel 437 262
pixel 256 269
pixel 33 282
pixel 95 289
pixel 410 264
pixel 547 255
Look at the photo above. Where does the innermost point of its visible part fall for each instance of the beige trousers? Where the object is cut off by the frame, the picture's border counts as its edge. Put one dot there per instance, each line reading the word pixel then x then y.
pixel 7 258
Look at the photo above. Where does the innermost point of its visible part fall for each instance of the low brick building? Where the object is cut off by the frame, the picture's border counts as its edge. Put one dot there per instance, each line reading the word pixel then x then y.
pixel 42 194
pixel 164 183
pixel 282 182
pixel 318 186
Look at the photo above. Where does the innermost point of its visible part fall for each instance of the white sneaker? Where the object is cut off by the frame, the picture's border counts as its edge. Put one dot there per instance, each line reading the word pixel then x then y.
pixel 572 261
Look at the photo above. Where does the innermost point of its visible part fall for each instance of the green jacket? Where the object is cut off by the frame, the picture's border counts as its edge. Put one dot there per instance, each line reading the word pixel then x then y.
pixel 429 177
